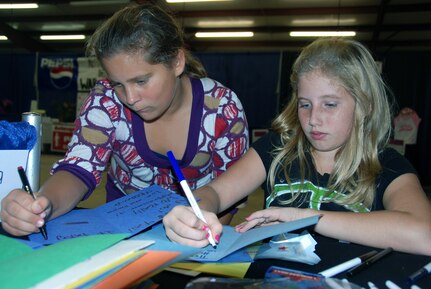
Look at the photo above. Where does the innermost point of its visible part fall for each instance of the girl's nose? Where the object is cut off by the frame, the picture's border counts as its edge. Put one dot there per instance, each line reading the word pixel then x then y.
pixel 314 117
pixel 131 97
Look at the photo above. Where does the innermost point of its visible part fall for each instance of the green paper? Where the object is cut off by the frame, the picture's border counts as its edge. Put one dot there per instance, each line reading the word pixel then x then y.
pixel 12 248
pixel 27 269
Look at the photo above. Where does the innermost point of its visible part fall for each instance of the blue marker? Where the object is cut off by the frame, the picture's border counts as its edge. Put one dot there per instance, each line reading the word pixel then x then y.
pixel 189 194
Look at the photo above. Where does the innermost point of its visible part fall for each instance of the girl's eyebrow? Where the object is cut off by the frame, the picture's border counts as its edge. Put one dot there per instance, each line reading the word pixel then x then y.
pixel 332 97
pixel 325 96
pixel 140 77
pixel 133 79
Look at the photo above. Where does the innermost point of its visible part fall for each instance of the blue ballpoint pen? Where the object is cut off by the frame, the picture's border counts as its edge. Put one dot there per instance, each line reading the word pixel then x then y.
pixel 189 194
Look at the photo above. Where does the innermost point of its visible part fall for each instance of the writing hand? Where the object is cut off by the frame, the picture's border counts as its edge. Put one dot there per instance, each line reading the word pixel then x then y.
pixel 183 227
pixel 22 215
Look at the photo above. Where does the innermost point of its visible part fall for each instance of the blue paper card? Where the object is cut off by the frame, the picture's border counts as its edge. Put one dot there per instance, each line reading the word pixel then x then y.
pixel 130 214
pixel 230 240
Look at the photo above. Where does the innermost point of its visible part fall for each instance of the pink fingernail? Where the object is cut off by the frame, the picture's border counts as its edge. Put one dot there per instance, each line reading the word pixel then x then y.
pixel 217 238
pixel 205 228
pixel 207 235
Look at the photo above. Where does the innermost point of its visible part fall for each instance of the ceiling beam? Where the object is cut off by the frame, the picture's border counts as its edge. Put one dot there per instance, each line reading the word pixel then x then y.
pixel 52 18
pixel 401 8
pixel 21 39
pixel 286 29
pixel 235 12
pixel 270 29
pixel 379 23
pixel 202 45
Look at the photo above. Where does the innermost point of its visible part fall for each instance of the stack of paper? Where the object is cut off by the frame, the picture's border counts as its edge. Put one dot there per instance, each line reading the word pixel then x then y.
pixel 101 261
pixel 93 268
pixel 27 267
pixel 234 265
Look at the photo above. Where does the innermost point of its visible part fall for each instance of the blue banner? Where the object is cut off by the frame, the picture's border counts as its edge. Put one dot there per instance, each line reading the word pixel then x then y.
pixel 57 86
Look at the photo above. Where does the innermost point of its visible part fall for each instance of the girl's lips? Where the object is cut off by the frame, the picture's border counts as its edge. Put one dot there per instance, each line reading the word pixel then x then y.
pixel 317 135
pixel 144 110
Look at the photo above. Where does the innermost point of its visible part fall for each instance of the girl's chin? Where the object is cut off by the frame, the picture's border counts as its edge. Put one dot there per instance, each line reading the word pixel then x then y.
pixel 149 117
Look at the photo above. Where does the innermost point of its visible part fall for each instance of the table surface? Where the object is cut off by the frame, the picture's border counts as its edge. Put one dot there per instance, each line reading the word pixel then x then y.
pixel 395 266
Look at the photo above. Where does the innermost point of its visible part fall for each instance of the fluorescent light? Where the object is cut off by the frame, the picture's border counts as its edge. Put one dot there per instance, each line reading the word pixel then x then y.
pixel 191 1
pixel 321 33
pixel 19 6
pixel 62 27
pixel 224 23
pixel 323 21
pixel 3 37
pixel 62 37
pixel 98 2
pixel 224 34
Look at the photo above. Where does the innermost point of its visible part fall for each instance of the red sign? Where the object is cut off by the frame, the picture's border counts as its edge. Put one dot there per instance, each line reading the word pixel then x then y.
pixel 257 133
pixel 61 135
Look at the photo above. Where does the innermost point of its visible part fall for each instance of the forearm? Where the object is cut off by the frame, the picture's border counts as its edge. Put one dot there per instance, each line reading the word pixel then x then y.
pixel 208 199
pixel 64 190
pixel 231 187
pixel 400 230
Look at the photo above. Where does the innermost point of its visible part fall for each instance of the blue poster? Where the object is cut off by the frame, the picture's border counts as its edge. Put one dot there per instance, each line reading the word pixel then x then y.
pixel 56 76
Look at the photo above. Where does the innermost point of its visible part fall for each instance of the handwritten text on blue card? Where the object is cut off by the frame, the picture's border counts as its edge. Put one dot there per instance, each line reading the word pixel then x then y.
pixel 129 214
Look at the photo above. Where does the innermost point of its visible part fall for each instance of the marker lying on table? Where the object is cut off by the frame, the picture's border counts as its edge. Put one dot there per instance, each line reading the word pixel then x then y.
pixel 392 285
pixel 27 188
pixel 422 272
pixel 347 265
pixel 189 194
pixel 367 263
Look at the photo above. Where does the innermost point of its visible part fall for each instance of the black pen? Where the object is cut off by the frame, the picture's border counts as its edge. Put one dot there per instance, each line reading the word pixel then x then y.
pixel 27 188
pixel 422 272
pixel 367 263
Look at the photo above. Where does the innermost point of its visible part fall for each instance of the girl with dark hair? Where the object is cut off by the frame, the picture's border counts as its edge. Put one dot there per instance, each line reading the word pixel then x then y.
pixel 156 98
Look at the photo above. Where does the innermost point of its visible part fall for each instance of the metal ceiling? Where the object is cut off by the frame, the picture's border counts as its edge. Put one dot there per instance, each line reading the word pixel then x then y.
pixel 381 24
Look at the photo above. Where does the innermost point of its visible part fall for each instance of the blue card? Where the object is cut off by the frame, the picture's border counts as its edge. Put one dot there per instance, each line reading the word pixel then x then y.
pixel 130 215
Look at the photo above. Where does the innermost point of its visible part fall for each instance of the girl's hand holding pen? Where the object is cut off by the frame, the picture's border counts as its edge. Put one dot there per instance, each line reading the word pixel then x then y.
pixel 21 214
pixel 184 227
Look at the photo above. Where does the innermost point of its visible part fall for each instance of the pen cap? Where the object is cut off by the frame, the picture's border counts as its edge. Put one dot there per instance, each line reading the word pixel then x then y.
pixel 33 162
pixel 175 166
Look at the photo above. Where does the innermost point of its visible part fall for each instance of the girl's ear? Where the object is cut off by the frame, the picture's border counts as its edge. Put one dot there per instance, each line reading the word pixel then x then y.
pixel 180 63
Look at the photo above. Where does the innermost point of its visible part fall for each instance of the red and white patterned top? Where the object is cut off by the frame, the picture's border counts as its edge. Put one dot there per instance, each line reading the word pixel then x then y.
pixel 110 136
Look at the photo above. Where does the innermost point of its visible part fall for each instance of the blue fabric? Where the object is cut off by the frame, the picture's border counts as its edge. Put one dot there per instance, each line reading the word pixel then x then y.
pixel 17 135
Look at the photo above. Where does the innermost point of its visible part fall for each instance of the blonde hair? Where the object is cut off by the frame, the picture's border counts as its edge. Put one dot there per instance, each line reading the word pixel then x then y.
pixel 143 28
pixel 356 163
